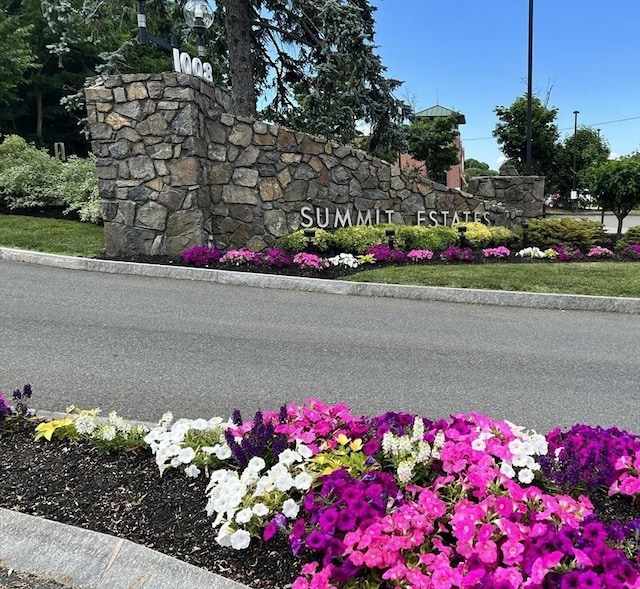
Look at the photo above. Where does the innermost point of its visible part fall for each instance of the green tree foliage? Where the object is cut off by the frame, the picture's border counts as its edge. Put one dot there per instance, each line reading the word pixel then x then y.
pixel 616 186
pixel 431 141
pixel 311 64
pixel 17 57
pixel 590 150
pixel 511 134
pixel 473 167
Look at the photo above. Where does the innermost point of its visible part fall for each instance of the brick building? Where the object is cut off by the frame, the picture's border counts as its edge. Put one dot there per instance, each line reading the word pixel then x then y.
pixel 455 175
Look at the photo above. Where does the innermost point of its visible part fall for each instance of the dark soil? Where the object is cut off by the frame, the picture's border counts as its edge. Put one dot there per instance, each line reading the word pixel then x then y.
pixel 124 495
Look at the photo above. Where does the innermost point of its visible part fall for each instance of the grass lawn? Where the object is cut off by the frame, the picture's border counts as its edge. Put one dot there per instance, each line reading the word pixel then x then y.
pixel 612 279
pixel 54 236
pixel 617 279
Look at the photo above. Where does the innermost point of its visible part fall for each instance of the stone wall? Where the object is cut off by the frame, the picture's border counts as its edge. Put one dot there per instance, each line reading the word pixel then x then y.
pixel 525 193
pixel 176 169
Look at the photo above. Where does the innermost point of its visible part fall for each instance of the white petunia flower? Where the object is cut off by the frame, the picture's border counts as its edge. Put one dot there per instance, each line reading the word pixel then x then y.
pixel 507 470
pixel 525 476
pixel 244 515
pixel 186 455
pixel 290 509
pixel 192 471
pixel 260 509
pixel 240 539
pixel 303 481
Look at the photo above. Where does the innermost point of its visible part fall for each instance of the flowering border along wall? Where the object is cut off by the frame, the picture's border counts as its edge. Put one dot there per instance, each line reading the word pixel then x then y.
pixel 400 501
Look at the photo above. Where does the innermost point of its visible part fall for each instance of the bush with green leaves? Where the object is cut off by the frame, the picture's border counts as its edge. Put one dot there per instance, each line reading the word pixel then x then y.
pixel 476 234
pixel 358 238
pixel 419 237
pixel 29 176
pixel 500 236
pixel 78 188
pixel 568 231
pixel 631 237
pixel 297 241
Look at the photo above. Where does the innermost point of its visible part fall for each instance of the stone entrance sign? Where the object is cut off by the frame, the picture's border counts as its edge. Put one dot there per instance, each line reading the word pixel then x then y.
pixel 176 169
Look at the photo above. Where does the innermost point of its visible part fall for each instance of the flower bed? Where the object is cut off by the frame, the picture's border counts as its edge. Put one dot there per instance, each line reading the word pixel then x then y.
pixel 398 500
pixel 310 263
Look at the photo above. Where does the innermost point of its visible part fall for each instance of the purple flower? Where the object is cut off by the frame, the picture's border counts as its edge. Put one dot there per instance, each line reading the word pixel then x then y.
pixel 457 254
pixel 5 409
pixel 199 255
pixel 632 251
pixel 385 253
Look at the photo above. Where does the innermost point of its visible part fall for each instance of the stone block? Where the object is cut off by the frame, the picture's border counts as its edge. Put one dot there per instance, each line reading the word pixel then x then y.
pixel 242 213
pixel 240 195
pixel 248 156
pixel 245 177
pixel 141 167
pixel 270 189
pixel 152 215
pixel 137 91
pixel 94 94
pixel 126 213
pixel 241 135
pixel 184 172
pixel 130 110
pixel 220 173
pixel 275 222
pixel 114 121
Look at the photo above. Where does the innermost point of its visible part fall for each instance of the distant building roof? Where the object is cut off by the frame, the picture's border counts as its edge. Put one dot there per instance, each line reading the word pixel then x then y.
pixel 440 111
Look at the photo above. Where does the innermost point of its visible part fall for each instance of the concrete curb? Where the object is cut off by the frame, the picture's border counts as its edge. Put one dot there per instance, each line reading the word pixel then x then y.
pixel 340 287
pixel 84 559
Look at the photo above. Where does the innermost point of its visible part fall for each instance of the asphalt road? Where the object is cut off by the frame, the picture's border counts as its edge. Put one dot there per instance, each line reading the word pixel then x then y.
pixel 141 346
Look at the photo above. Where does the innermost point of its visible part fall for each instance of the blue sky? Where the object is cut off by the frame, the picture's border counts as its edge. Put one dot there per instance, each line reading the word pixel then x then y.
pixel 471 56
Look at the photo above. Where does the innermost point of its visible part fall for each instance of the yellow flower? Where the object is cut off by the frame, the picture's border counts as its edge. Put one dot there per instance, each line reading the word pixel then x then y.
pixel 356 445
pixel 342 440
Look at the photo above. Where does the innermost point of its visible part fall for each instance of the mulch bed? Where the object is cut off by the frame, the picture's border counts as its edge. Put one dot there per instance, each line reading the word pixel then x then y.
pixel 124 495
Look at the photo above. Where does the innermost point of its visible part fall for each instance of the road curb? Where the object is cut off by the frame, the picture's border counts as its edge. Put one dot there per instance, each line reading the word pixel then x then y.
pixel 338 287
pixel 80 558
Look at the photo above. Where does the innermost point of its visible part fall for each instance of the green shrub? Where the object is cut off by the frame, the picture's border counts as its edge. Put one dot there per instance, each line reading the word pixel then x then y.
pixel 434 238
pixel 631 237
pixel 500 236
pixel 477 234
pixel 78 188
pixel 297 241
pixel 29 176
pixel 355 240
pixel 581 233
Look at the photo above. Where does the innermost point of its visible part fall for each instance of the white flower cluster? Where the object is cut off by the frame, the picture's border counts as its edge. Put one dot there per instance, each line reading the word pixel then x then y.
pixel 246 500
pixel 531 252
pixel 89 423
pixel 167 442
pixel 348 260
pixel 411 450
pixel 523 450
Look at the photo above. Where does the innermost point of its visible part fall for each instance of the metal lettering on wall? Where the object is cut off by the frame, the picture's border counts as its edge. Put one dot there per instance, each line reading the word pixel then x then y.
pixel 323 217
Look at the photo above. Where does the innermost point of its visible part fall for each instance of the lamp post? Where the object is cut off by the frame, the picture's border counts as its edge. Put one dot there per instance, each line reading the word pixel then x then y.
pixel 575 150
pixel 529 92
pixel 197 14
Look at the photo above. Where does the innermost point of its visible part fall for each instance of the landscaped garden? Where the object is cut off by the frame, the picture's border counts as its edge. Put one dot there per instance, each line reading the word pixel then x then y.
pixel 315 496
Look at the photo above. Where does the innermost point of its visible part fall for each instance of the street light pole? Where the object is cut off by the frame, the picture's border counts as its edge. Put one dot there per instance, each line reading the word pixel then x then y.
pixel 529 92
pixel 575 146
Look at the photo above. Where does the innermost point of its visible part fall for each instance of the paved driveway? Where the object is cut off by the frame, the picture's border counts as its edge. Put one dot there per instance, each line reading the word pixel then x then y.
pixel 142 346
